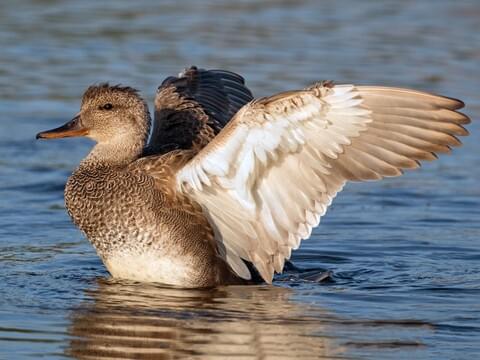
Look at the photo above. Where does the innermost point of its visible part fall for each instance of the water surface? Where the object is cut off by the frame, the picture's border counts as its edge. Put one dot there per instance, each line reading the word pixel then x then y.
pixel 405 252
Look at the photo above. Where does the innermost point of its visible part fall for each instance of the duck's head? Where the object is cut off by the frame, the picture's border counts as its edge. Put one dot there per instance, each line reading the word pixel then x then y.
pixel 116 117
pixel 113 116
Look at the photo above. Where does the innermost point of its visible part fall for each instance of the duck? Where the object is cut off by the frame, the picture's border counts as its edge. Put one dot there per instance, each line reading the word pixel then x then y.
pixel 220 187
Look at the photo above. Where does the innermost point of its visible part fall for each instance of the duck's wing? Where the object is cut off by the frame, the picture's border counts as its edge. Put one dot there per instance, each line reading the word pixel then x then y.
pixel 268 177
pixel 192 108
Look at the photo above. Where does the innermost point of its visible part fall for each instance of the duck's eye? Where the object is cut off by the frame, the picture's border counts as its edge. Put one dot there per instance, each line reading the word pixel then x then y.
pixel 107 107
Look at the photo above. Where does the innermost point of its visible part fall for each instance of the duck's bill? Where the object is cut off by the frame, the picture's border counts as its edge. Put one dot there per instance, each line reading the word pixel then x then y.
pixel 70 129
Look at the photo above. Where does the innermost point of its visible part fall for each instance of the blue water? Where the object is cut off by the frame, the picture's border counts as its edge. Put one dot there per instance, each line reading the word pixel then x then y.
pixel 405 252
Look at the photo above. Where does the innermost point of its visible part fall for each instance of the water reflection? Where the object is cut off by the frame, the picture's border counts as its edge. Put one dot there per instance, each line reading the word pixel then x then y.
pixel 147 322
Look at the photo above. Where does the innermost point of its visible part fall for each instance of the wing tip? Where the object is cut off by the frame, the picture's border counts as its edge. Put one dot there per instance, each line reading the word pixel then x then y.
pixel 456 103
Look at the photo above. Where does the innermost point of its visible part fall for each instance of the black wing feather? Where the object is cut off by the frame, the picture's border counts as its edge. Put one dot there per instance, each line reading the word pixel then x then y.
pixel 198 103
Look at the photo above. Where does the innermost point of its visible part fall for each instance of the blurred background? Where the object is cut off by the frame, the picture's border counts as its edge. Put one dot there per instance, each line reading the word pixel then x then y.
pixel 405 253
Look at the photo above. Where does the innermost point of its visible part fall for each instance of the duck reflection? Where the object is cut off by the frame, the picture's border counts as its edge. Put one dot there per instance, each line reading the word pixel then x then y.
pixel 138 321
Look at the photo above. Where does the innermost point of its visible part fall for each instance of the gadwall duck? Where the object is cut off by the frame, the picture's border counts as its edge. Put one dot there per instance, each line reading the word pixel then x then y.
pixel 227 186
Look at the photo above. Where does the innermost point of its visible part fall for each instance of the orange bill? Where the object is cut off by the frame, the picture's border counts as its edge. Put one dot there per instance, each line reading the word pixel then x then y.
pixel 70 129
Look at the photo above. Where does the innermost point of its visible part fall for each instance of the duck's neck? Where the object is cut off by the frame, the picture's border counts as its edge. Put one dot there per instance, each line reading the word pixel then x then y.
pixel 114 153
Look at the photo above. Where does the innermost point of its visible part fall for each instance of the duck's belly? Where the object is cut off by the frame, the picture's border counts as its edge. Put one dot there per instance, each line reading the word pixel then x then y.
pixel 154 267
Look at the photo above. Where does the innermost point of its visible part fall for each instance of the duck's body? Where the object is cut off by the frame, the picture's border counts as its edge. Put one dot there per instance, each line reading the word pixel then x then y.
pixel 145 231
pixel 198 204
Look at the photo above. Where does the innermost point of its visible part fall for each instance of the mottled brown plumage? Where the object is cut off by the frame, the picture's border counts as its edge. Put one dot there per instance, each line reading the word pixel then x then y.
pixel 226 182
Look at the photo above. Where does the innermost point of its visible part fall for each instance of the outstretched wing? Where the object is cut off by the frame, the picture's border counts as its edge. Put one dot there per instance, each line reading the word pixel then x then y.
pixel 192 108
pixel 268 177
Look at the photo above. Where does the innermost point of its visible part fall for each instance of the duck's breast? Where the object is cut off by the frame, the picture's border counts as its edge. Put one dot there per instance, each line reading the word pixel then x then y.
pixel 153 266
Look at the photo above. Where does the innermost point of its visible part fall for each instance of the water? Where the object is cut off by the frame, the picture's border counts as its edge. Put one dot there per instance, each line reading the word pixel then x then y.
pixel 405 253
